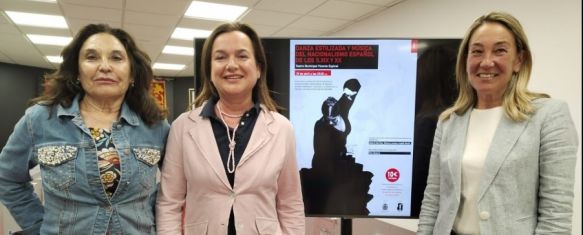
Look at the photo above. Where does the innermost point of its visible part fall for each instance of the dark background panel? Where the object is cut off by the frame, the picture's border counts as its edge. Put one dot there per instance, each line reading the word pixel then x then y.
pixel 18 84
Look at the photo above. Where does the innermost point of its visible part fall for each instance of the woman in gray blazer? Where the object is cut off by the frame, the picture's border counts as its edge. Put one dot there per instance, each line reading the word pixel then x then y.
pixel 503 157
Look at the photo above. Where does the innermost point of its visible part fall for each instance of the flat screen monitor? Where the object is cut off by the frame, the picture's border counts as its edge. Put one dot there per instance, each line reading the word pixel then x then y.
pixel 364 111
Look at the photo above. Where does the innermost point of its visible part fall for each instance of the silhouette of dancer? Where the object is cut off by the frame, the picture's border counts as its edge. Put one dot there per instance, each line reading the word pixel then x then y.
pixel 336 184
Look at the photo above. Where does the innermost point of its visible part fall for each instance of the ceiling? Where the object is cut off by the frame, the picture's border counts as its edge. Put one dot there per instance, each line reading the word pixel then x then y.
pixel 151 22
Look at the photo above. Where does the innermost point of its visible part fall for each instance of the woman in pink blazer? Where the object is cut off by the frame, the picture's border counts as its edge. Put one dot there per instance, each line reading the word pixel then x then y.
pixel 230 165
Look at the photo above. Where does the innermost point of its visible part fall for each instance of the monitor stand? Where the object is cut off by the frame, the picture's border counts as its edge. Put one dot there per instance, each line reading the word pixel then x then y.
pixel 345 226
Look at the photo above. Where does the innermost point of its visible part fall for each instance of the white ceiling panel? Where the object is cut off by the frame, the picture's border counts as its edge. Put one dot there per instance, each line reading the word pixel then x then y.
pixel 174 59
pixel 296 6
pixel 112 4
pixel 318 23
pixel 188 72
pixel 265 30
pixel 146 32
pixel 5 59
pixel 245 3
pixel 45 31
pixel 180 43
pixel 165 73
pixel 160 7
pixel 151 23
pixel 343 10
pixel 152 48
pixel 22 52
pixel 198 23
pixel 271 18
pixel 76 24
pixel 294 32
pixel 12 42
pixel 377 2
pixel 30 7
pixel 92 13
pixel 50 50
pixel 4 18
pixel 151 19
pixel 8 29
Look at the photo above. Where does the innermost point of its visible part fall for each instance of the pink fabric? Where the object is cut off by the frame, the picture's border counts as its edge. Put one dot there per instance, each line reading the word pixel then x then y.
pixel 266 198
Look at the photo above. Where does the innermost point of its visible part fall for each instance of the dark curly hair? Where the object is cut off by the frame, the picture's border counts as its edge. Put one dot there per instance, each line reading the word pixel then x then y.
pixel 61 86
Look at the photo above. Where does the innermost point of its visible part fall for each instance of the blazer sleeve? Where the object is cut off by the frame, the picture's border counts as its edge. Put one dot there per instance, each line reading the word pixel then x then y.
pixel 557 158
pixel 289 202
pixel 16 191
pixel 430 203
pixel 172 193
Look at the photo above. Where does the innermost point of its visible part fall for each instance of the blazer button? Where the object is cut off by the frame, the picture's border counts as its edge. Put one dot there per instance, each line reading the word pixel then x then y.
pixel 484 215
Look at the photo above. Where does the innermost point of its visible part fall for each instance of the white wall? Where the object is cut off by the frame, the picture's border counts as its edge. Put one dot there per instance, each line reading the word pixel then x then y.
pixel 553 28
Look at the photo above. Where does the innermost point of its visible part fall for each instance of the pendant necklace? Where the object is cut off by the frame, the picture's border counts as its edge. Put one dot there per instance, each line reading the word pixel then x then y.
pixel 232 143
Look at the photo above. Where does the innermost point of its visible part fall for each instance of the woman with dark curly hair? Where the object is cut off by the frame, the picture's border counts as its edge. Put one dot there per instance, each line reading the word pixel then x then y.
pixel 98 136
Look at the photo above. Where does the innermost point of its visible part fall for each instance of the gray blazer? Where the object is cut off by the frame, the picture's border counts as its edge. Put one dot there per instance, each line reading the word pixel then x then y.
pixel 527 184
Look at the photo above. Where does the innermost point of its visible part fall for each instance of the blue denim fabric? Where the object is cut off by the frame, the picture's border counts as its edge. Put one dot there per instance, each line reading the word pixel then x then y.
pixel 75 200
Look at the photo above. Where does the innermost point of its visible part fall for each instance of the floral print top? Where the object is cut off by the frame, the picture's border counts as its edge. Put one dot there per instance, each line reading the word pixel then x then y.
pixel 108 159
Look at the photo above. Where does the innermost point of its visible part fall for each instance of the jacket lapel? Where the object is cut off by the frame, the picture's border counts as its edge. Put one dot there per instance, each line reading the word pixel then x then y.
pixel 505 138
pixel 207 144
pixel 458 133
pixel 262 133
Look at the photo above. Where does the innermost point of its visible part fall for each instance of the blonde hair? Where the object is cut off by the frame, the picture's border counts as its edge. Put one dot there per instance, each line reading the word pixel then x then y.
pixel 517 98
pixel 260 91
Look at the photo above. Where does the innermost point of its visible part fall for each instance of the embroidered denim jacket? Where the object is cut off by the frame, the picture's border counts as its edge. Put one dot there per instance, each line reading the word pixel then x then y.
pixel 75 201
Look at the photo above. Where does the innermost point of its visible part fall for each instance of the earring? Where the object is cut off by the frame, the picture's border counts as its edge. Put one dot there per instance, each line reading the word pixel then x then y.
pixel 132 85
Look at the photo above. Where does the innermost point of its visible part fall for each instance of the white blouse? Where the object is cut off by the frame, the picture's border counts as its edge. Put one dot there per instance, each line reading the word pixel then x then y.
pixel 481 129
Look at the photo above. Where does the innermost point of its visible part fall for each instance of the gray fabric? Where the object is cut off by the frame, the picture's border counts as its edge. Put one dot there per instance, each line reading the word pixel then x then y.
pixel 527 184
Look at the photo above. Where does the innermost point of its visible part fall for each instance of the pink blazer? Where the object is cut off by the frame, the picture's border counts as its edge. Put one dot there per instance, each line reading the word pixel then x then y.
pixel 266 197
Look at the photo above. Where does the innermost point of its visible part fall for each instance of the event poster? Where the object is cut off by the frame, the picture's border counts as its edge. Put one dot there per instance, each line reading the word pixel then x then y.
pixel 352 105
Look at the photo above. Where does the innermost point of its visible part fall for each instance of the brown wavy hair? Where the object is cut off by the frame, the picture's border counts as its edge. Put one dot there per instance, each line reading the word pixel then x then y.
pixel 260 91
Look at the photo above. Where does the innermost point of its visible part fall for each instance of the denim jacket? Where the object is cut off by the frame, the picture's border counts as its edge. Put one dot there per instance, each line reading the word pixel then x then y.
pixel 75 201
